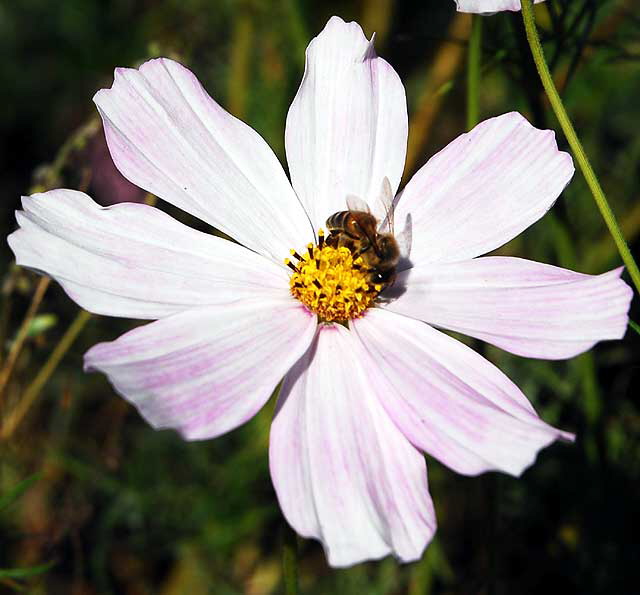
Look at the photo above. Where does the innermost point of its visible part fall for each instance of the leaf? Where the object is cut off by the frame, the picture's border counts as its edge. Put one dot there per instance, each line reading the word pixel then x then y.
pixel 17 491
pixel 24 572
pixel 41 323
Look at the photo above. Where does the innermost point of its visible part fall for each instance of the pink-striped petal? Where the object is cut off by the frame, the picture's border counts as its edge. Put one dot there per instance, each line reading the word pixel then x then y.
pixel 528 308
pixel 483 189
pixel 489 6
pixel 347 126
pixel 169 137
pixel 206 371
pixel 448 400
pixel 133 260
pixel 343 472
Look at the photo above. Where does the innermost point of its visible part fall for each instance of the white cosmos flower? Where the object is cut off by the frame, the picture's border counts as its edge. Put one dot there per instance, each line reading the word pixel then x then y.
pixel 489 6
pixel 359 401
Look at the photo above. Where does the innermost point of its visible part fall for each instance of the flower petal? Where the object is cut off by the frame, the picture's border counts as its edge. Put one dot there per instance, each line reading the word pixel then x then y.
pixel 489 6
pixel 347 126
pixel 483 189
pixel 133 260
pixel 169 137
pixel 528 308
pixel 343 472
pixel 448 400
pixel 206 371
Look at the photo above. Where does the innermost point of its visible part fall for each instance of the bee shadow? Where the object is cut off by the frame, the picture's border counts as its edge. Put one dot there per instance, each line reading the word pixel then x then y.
pixel 399 286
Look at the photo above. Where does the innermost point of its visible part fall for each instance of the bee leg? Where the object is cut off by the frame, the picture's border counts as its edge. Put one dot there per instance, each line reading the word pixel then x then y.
pixel 359 251
pixel 364 247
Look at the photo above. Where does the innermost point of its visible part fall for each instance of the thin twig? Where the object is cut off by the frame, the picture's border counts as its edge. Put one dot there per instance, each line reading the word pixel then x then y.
pixel 443 69
pixel 33 390
pixel 23 331
pixel 474 63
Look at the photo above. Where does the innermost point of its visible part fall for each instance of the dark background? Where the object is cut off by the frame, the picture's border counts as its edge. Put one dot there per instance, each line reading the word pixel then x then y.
pixel 119 508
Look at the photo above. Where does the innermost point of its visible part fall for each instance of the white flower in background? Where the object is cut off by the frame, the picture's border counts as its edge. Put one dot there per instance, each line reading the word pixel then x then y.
pixel 362 397
pixel 489 6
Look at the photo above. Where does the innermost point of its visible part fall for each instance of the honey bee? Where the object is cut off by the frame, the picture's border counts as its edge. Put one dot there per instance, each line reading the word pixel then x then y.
pixel 358 230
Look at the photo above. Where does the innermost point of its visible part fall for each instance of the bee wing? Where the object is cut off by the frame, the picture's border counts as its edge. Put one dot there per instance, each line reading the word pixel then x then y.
pixel 384 206
pixel 357 204
pixel 404 238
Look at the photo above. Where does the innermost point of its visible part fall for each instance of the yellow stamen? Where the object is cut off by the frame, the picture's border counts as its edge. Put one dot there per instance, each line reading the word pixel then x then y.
pixel 331 282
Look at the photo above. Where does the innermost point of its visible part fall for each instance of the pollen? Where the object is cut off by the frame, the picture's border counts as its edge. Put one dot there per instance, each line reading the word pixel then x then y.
pixel 331 282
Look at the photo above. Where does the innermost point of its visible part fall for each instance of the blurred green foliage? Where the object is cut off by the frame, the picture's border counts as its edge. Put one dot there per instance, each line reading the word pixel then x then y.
pixel 120 508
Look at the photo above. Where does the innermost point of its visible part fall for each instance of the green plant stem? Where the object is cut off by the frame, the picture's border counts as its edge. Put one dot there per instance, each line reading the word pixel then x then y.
pixel 574 142
pixel 14 352
pixel 635 326
pixel 33 390
pixel 290 562
pixel 474 60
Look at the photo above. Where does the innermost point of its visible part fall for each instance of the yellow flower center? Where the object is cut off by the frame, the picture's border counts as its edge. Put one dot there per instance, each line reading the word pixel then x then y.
pixel 331 282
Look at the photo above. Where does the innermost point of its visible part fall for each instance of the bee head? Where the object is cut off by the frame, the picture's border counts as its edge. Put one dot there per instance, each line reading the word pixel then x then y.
pixel 383 277
pixel 388 250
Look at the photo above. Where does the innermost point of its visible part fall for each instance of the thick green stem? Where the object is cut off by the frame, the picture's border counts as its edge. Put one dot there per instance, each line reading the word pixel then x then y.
pixel 635 326
pixel 574 142
pixel 474 63
pixel 290 561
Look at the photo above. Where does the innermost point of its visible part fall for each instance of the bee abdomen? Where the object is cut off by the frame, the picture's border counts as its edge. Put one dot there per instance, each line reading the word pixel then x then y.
pixel 337 220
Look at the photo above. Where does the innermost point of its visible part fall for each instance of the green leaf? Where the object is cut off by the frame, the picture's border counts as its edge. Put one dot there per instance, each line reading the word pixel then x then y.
pixel 14 493
pixel 41 323
pixel 24 572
